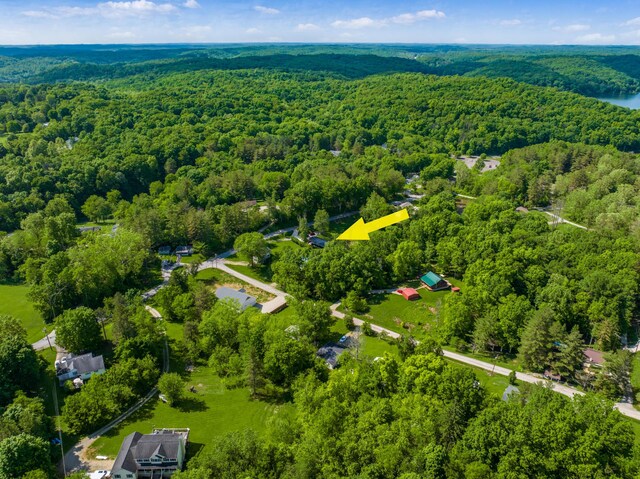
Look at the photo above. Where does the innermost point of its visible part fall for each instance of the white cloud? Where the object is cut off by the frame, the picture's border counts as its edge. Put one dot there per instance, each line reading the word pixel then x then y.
pixel 430 14
pixel 38 14
pixel 574 28
pixel 596 38
pixel 511 22
pixel 106 9
pixel 191 4
pixel 266 10
pixel 402 19
pixel 252 31
pixel 362 22
pixel 135 7
pixel 632 22
pixel 307 27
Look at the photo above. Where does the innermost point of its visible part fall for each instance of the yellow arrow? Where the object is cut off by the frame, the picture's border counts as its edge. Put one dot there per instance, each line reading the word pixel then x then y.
pixel 360 230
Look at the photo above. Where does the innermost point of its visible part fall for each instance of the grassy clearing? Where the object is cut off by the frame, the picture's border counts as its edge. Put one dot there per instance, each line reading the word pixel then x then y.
pixel 394 312
pixel 211 412
pixel 263 272
pixel 14 302
pixel 494 384
pixel 105 226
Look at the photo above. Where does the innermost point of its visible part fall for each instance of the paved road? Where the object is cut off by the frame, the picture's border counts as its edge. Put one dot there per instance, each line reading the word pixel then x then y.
pixel 43 343
pixel 625 408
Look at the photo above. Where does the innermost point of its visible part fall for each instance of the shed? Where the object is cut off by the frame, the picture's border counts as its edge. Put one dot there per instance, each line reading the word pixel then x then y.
pixel 434 282
pixel 245 300
pixel 409 294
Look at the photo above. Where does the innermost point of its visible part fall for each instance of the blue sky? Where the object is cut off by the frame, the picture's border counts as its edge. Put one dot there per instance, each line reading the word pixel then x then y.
pixel 439 21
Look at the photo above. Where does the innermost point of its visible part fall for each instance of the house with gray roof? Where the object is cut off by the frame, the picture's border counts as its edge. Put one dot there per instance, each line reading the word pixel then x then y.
pixel 245 300
pixel 83 367
pixel 151 456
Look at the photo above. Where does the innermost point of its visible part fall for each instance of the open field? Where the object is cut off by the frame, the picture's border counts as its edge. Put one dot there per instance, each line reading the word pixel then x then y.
pixel 211 412
pixel 14 301
pixel 105 226
pixel 394 312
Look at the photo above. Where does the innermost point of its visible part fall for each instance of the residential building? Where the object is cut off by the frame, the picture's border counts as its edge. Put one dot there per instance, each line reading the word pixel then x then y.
pixel 151 456
pixel 82 367
pixel 245 300
pixel 434 282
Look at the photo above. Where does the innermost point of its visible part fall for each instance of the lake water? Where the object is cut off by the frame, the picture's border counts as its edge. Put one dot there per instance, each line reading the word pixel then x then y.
pixel 629 101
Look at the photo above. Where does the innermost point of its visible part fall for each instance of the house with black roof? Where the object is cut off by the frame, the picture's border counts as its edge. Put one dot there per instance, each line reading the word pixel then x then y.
pixel 151 456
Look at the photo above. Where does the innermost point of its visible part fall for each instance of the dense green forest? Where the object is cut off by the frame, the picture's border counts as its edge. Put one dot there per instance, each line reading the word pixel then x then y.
pixel 586 70
pixel 167 146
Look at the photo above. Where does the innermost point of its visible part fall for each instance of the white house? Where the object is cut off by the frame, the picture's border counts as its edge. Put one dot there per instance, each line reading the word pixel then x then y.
pixel 83 367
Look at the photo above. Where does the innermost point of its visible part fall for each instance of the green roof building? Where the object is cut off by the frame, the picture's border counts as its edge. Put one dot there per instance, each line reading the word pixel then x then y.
pixel 434 282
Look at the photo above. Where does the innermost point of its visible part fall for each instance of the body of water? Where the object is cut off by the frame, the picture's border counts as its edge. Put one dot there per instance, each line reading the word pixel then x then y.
pixel 629 101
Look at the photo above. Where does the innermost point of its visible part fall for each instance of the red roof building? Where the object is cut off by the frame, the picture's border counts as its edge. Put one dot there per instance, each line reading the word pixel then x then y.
pixel 409 294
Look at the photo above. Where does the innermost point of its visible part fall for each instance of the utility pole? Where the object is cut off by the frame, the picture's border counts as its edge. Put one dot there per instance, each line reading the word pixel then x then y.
pixel 44 330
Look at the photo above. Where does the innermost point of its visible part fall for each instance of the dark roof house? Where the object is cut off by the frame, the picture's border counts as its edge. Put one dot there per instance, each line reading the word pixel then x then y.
pixel 434 282
pixel 156 455
pixel 164 250
pixel 184 250
pixel 317 242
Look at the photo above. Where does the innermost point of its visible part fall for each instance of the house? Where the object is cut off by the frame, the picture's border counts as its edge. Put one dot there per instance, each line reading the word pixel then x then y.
pixel 317 242
pixel 83 367
pixel 409 294
pixel 151 456
pixel 593 357
pixel 335 152
pixel 164 250
pixel 101 474
pixel 510 391
pixel 330 353
pixel 245 300
pixel 522 209
pixel 434 282
pixel 184 250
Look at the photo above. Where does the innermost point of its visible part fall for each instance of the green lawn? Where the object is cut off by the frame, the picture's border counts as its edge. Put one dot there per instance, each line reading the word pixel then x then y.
pixel 210 412
pixel 494 384
pixel 14 301
pixel 393 312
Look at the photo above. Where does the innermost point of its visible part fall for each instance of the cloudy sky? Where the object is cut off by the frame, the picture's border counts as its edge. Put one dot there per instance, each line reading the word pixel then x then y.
pixel 402 21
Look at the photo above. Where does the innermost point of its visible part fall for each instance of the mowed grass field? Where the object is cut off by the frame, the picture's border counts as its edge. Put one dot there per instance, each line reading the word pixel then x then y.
pixel 393 312
pixel 211 412
pixel 14 302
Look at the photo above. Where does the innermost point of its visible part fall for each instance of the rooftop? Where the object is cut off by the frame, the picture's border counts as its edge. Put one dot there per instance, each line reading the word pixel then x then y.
pixel 243 298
